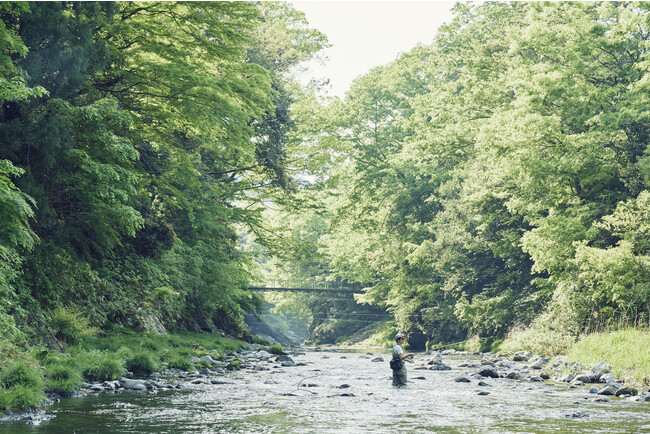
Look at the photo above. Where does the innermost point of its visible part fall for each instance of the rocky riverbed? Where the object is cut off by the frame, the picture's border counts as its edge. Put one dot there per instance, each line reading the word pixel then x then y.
pixel 306 390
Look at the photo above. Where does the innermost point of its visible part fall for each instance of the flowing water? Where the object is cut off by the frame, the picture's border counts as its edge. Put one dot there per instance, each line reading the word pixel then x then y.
pixel 338 391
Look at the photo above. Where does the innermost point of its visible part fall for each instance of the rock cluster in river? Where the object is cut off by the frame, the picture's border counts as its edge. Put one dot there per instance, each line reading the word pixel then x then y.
pixel 525 366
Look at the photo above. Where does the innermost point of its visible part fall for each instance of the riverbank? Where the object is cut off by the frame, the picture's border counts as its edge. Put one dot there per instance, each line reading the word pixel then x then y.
pixel 29 377
pixel 626 351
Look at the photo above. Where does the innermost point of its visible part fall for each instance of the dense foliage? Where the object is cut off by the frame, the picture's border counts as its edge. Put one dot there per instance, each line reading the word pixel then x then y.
pixel 496 177
pixel 491 180
pixel 134 137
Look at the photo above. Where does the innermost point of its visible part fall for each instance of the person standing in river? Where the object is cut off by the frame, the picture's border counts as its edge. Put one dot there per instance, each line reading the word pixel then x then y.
pixel 399 375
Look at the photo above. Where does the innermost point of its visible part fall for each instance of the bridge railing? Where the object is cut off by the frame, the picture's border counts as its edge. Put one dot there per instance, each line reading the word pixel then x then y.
pixel 303 285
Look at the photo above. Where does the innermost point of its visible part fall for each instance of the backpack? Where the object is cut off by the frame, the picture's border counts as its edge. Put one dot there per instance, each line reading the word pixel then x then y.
pixel 396 364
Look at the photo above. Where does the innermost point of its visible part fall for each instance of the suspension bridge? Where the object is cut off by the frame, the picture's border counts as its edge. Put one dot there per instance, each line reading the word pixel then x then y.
pixel 282 285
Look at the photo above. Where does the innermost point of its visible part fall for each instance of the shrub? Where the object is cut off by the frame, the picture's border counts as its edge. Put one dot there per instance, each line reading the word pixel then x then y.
pixel 205 363
pixel 276 349
pixel 21 397
pixel 260 341
pixel 62 379
pixel 141 364
pixel 68 325
pixel 21 374
pixel 101 367
pixel 180 362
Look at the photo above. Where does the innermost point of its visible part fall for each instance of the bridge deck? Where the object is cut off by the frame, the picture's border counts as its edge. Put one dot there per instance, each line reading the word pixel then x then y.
pixel 303 289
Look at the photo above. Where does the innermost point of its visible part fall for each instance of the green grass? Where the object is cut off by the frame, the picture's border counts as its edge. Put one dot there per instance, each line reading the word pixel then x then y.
pixel 21 386
pixel 20 374
pixel 141 364
pixel 99 359
pixel 627 351
pixel 62 378
pixel 276 349
pixel 100 366
pixel 181 362
pixel 21 397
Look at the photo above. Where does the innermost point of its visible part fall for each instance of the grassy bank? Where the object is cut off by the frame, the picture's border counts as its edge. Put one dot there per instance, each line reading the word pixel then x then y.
pixel 26 376
pixel 626 351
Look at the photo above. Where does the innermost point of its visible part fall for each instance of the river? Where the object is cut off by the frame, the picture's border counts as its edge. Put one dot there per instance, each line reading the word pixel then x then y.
pixel 343 391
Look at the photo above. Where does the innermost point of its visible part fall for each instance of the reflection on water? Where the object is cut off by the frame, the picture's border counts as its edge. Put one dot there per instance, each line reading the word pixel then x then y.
pixel 346 392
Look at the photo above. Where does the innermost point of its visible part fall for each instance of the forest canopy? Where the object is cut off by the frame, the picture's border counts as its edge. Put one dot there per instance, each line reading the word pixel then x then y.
pixel 494 179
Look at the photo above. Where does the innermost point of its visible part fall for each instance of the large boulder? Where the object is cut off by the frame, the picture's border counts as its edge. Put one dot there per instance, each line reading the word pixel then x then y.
pixel 130 384
pixel 489 371
pixel 610 389
pixel 585 377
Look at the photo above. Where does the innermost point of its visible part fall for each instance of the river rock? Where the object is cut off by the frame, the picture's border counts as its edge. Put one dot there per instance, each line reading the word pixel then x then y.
pixel 593 389
pixel 642 397
pixel 111 385
pixel 608 390
pixel 545 376
pixel 585 377
pixel 284 358
pixel 489 372
pixel 130 384
pixel 577 383
pixel 207 358
pixel 377 359
pixel 514 375
pixel 601 367
pixel 462 380
pixel 522 356
pixel 481 392
pixel 576 415
pixel 566 378
pixel 440 367
pixel 483 383
pixel 625 390
pixel 606 378
pixel 536 379
pixel 263 355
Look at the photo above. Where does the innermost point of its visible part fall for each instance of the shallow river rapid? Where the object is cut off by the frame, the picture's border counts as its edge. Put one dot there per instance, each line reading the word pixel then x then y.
pixel 336 391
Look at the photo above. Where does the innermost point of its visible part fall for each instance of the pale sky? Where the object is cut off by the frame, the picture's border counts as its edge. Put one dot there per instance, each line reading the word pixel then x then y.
pixel 365 34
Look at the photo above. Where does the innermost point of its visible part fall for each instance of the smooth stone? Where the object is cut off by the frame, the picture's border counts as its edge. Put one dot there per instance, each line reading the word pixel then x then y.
pixel 489 372
pixel 608 390
pixel 626 391
pixel 462 380
pixel 602 367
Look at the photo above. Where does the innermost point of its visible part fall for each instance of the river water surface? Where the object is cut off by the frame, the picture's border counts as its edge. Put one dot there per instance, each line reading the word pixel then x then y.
pixel 338 391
